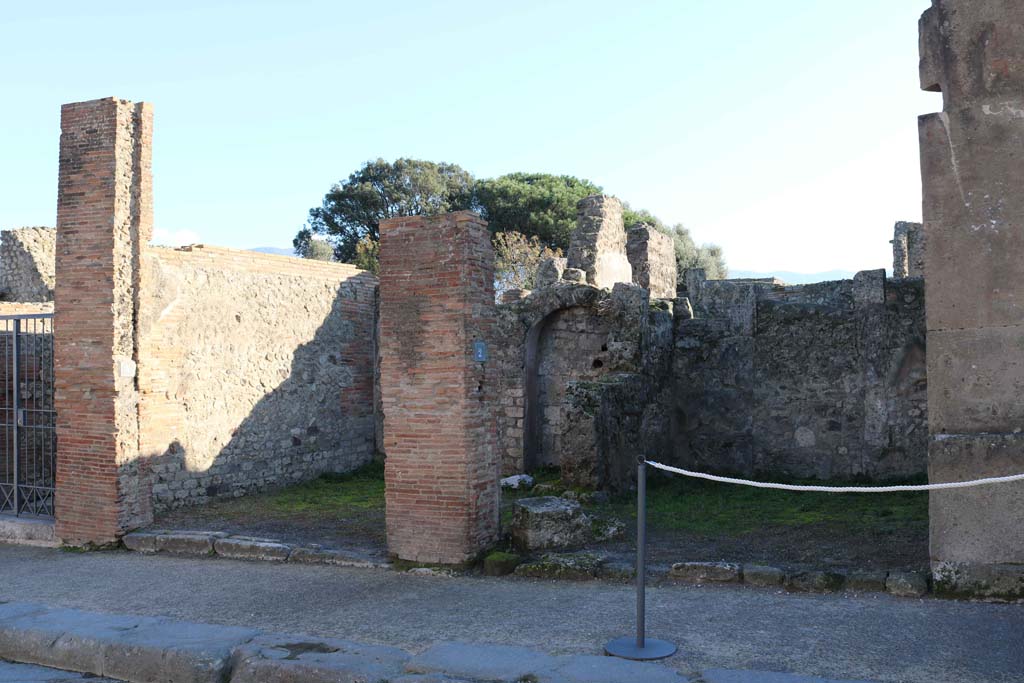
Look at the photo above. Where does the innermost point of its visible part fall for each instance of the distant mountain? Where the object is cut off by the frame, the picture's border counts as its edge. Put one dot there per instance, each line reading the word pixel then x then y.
pixel 280 251
pixel 791 278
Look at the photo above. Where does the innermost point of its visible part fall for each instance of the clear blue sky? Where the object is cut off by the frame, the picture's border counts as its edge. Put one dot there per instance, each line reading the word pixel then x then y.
pixel 785 131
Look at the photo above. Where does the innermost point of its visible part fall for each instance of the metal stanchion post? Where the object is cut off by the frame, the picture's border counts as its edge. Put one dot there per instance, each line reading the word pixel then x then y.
pixel 641 647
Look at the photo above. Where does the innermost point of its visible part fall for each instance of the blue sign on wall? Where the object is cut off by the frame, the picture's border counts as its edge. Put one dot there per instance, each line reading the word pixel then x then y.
pixel 480 351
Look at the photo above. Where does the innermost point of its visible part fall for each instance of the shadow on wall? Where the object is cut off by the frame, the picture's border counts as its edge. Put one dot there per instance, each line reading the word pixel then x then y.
pixel 251 381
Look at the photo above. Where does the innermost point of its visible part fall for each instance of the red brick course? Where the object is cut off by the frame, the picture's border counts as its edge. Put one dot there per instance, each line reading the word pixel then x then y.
pixel 436 300
pixel 104 211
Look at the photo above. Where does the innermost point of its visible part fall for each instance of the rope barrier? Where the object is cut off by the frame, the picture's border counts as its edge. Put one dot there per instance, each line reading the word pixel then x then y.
pixel 839 489
pixel 643 648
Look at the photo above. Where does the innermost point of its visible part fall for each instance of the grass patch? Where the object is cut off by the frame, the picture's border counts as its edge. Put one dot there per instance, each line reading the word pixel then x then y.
pixel 711 508
pixel 362 489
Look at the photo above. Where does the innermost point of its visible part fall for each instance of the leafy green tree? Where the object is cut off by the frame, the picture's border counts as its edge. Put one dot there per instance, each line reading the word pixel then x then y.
pixel 689 255
pixel 537 205
pixel 318 250
pixel 631 217
pixel 516 259
pixel 368 255
pixel 353 208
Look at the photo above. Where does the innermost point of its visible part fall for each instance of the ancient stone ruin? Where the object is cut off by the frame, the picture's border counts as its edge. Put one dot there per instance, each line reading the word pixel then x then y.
pixel 184 375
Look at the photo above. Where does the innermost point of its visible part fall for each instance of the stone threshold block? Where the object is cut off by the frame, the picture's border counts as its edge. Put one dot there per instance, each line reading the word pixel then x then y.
pixel 237 547
pixel 27 531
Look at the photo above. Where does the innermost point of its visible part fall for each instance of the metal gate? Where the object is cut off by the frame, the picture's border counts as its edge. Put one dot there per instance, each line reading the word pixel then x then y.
pixel 28 436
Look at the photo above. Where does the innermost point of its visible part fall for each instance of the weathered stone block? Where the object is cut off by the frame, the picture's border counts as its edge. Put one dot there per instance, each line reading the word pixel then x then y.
pixel 549 522
pixel 574 275
pixel 760 575
pixel 598 245
pixel 815 581
pixel 549 272
pixel 333 557
pixel 569 566
pixel 185 543
pixel 974 386
pixel 907 584
pixel 866 581
pixel 992 581
pixel 141 542
pixel 246 549
pixel 978 525
pixel 706 572
pixel 652 257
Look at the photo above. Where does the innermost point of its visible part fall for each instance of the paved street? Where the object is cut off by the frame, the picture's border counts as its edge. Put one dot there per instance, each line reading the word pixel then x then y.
pixel 873 637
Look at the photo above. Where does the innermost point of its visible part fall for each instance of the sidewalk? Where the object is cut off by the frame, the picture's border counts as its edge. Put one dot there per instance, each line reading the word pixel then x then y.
pixel 839 636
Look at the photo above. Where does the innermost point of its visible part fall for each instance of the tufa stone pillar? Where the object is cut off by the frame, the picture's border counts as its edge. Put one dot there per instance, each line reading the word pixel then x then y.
pixel 652 256
pixel 598 245
pixel 104 215
pixel 438 385
pixel 972 166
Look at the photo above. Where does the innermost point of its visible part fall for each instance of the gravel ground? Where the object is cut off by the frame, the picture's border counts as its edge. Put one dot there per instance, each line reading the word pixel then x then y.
pixel 875 637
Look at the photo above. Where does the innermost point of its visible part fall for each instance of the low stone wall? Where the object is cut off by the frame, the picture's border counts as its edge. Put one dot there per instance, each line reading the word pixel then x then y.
pixel 255 371
pixel 815 381
pixel 27 264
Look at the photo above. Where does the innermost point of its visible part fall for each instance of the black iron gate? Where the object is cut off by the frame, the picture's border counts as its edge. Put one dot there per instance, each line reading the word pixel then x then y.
pixel 28 436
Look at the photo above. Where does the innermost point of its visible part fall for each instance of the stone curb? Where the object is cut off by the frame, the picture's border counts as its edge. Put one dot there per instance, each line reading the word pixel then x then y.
pixel 140 649
pixel 235 547
pixel 912 584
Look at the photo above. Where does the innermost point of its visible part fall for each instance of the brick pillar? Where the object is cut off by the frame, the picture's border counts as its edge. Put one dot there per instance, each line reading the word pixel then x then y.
pixel 104 217
pixel 436 303
pixel 972 167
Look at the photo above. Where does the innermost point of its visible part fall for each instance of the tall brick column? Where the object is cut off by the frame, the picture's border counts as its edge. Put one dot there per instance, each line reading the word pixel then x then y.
pixel 104 217
pixel 436 304
pixel 972 166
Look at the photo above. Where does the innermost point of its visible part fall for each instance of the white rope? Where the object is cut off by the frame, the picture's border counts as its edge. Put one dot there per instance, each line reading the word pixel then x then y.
pixel 839 489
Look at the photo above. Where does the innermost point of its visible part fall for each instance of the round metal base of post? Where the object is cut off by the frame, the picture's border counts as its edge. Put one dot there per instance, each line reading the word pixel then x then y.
pixel 653 649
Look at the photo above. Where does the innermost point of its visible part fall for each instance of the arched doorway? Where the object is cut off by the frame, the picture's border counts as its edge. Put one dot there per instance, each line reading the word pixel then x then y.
pixel 567 346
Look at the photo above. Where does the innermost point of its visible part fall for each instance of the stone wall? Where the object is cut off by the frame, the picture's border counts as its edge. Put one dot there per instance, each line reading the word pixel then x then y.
pixel 598 245
pixel 183 375
pixel 27 264
pixel 571 347
pixel 815 381
pixel 908 250
pixel 255 371
pixel 579 382
pixel 972 166
pixel 652 255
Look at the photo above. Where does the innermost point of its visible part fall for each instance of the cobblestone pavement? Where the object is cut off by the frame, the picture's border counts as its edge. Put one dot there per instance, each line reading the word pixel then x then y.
pixel 865 637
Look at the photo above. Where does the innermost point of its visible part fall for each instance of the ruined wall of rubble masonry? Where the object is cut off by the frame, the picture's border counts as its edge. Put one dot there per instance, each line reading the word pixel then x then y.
pixel 436 302
pixel 27 263
pixel 815 381
pixel 972 165
pixel 104 211
pixel 572 347
pixel 908 250
pixel 255 371
pixel 652 256
pixel 598 245
pixel 601 413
